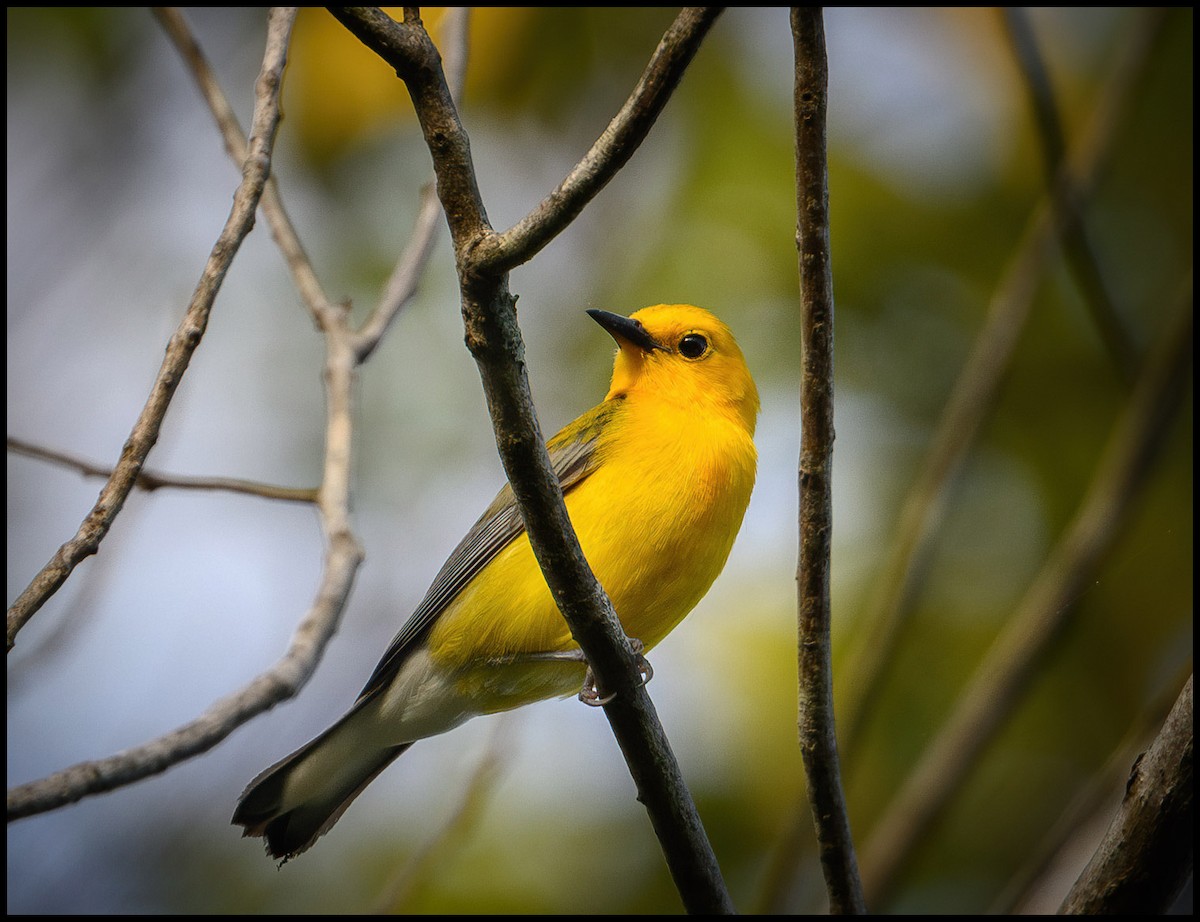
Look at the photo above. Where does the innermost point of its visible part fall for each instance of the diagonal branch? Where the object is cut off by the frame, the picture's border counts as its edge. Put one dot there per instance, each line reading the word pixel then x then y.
pixel 1080 255
pixel 221 719
pixel 304 277
pixel 402 284
pixel 1048 607
pixel 1040 866
pixel 1145 858
pixel 975 392
pixel 494 340
pixel 255 170
pixel 345 350
pixel 612 150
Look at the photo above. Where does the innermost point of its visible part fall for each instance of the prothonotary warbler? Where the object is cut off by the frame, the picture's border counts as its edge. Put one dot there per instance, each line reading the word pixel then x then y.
pixel 656 478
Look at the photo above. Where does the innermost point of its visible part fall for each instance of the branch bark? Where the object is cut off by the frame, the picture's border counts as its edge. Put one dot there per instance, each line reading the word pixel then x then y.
pixel 219 721
pixel 818 737
pixel 1146 856
pixel 154 480
pixel 1028 888
pixel 494 340
pixel 256 168
pixel 612 150
pixel 345 350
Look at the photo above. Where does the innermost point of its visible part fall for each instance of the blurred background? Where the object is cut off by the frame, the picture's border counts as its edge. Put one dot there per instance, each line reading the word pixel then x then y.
pixel 118 184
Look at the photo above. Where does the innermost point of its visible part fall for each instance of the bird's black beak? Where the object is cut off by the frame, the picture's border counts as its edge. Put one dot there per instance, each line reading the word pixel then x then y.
pixel 627 330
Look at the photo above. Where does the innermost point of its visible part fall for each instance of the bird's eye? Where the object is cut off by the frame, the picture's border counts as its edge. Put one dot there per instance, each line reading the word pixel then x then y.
pixel 693 346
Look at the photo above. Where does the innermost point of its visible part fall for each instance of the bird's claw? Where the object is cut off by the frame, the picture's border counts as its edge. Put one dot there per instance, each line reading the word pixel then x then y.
pixel 590 693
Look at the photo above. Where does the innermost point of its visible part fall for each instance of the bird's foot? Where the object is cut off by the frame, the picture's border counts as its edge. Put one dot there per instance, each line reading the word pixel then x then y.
pixel 591 695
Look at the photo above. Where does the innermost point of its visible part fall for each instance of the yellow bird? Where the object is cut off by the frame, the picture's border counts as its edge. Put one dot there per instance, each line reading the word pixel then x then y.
pixel 656 478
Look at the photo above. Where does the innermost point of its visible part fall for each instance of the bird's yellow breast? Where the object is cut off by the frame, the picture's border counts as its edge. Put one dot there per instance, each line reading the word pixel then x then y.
pixel 656 520
pixel 681 482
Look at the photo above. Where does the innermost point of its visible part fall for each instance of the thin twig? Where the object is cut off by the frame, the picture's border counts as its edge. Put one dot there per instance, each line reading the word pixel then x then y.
pixel 495 342
pixel 255 171
pixel 401 286
pixel 1077 248
pixel 344 352
pixel 152 480
pixel 973 397
pixel 304 277
pixel 1048 607
pixel 346 349
pixel 971 400
pixel 198 736
pixel 818 738
pixel 612 150
pixel 226 715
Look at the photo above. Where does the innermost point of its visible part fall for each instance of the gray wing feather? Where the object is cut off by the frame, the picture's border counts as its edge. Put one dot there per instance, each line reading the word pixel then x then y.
pixel 494 531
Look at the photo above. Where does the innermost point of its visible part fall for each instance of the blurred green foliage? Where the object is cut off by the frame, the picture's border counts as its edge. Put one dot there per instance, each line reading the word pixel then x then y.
pixel 704 213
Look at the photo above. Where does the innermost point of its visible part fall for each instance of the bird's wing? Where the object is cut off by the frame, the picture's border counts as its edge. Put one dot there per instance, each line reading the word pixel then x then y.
pixel 573 457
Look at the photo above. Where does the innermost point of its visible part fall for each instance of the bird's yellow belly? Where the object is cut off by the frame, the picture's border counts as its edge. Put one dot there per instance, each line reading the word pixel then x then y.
pixel 655 551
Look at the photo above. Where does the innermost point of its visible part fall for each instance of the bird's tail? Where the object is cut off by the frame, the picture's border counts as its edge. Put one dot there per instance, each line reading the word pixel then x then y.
pixel 298 799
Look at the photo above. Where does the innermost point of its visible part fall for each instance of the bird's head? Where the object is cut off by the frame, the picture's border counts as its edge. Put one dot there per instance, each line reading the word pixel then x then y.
pixel 680 353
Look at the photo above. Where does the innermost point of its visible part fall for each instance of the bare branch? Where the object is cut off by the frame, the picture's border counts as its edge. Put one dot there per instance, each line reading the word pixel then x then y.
pixel 344 351
pixel 182 345
pixel 407 48
pixel 341 563
pixel 612 150
pixel 818 738
pixel 1146 856
pixel 342 556
pixel 200 735
pixel 495 341
pixel 304 277
pixel 1080 255
pixel 1038 871
pixel 402 285
pixel 974 394
pixel 1047 608
pixel 177 29
pixel 152 480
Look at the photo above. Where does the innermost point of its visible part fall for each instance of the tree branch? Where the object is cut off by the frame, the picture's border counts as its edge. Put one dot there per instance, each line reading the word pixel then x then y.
pixel 255 170
pixel 612 150
pixel 342 556
pixel 1146 856
pixel 203 733
pixel 818 738
pixel 346 349
pixel 152 480
pixel 494 340
pixel 344 352
pixel 402 284
pixel 1047 609
pixel 1077 248
pixel 974 394
pixel 1038 871
pixel 304 277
